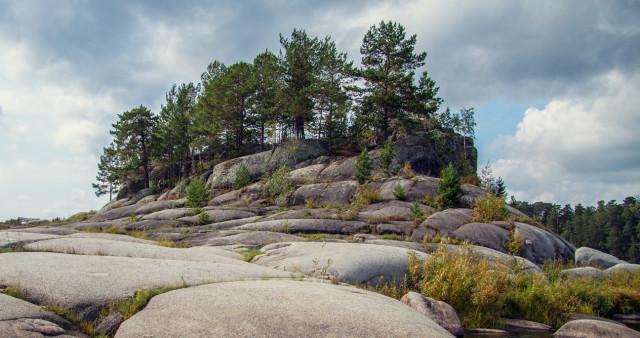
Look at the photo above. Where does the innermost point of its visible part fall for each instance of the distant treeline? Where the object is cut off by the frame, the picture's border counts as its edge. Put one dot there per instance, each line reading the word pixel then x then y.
pixel 612 228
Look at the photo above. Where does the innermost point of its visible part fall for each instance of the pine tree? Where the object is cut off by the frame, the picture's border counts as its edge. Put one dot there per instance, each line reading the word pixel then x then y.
pixel 386 156
pixel 449 189
pixel 108 174
pixel 363 166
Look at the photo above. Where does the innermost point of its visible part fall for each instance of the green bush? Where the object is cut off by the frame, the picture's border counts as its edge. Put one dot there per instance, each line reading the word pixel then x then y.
pixel 197 195
pixel 203 218
pixel 243 177
pixel 449 190
pixel 386 157
pixel 415 212
pixel 363 167
pixel 278 186
pixel 488 208
pixel 398 193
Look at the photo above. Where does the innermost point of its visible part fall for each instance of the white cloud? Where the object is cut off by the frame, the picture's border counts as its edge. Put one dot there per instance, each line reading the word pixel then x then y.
pixel 77 135
pixel 578 150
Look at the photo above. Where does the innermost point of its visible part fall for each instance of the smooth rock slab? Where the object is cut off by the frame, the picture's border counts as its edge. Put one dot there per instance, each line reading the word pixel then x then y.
pixel 487 235
pixel 448 221
pixel 348 262
pixel 440 312
pixel 623 267
pixel 22 319
pixel 541 245
pixel 586 328
pixel 520 325
pixel 327 226
pixel 591 257
pixel 587 272
pixel 8 238
pixel 85 284
pixel 106 247
pixel 277 309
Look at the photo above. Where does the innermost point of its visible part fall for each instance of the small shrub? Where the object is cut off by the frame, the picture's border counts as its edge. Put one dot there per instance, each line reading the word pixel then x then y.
pixel 171 244
pixel 363 166
pixel 415 212
pixel 386 157
pixel 489 208
pixel 243 177
pixel 197 195
pixel 472 179
pixel 278 186
pixel 407 170
pixel 203 218
pixel 249 254
pixel 367 196
pixel 311 203
pixel 449 190
pixel 398 193
pixel 515 243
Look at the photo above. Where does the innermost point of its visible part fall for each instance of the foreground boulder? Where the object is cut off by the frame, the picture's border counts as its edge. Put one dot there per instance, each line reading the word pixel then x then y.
pixel 346 262
pixel 586 328
pixel 22 319
pixel 440 312
pixel 277 308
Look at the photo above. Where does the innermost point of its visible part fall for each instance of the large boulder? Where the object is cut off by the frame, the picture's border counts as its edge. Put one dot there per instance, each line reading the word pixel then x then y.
pixel 447 221
pixel 440 312
pixel 541 244
pixel 277 308
pixel 586 328
pixel 22 319
pixel 487 235
pixel 351 263
pixel 340 170
pixel 224 174
pixel 598 259
pixel 587 272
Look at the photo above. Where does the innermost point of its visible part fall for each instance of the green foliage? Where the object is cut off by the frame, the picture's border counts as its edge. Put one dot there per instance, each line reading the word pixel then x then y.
pixel 415 212
pixel 386 157
pixel 203 218
pixel 278 186
pixel 449 190
pixel 367 196
pixel 249 254
pixel 398 193
pixel 363 167
pixel 243 177
pixel 514 246
pixel 488 208
pixel 197 195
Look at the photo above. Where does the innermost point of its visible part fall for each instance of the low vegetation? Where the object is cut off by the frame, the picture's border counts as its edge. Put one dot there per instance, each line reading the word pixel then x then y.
pixel 197 195
pixel 489 208
pixel 482 292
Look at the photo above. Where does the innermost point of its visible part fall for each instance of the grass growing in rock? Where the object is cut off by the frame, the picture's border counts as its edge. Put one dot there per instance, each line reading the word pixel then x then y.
pixel 249 254
pixel 482 292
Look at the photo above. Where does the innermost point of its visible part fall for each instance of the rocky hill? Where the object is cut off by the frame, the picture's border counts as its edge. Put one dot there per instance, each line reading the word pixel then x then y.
pixel 243 266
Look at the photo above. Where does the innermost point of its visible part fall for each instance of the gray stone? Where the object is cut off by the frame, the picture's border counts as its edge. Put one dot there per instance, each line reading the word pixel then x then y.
pixel 447 221
pixel 114 203
pixel 327 226
pixel 399 244
pixel 586 328
pixel 53 229
pixel 387 187
pixel 84 284
pixel 290 153
pixel 147 199
pixel 226 198
pixel 630 318
pixel 351 263
pixel 338 193
pixel 107 247
pixel 109 324
pixel 576 316
pixel 113 237
pixel 219 215
pixel 224 174
pixel 587 272
pixel 487 235
pixel 167 214
pixel 515 212
pixel 252 239
pixel 623 267
pixel 308 192
pixel 114 214
pixel 277 309
pixel 424 186
pixel 303 214
pixel 487 332
pixel 419 233
pixel 440 312
pixel 541 244
pixel 591 257
pixel 8 238
pixel 340 170
pixel 143 193
pixel 157 206
pixel 307 174
pixel 520 325
pixel 22 319
pixel 100 226
pixel 179 191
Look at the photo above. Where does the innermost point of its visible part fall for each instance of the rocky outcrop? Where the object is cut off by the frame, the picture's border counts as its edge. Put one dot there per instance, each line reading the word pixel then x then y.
pixel 586 328
pixel 591 257
pixel 278 309
pixel 440 312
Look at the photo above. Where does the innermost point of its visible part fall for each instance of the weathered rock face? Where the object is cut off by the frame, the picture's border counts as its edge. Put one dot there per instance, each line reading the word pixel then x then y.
pixel 277 309
pixel 347 262
pixel 598 259
pixel 540 244
pixel 586 328
pixel 587 272
pixel 440 312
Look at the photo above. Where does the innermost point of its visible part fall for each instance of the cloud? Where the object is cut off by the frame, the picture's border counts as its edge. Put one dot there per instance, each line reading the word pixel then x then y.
pixel 578 150
pixel 78 136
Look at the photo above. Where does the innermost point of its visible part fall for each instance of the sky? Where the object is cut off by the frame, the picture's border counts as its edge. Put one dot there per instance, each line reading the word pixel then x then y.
pixel 555 84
